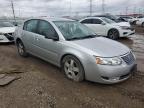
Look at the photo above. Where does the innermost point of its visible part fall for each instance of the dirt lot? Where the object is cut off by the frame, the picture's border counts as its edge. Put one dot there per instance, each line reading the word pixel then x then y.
pixel 42 85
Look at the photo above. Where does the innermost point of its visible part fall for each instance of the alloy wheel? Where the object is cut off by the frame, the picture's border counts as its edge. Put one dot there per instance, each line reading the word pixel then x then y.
pixel 73 68
pixel 20 48
pixel 113 34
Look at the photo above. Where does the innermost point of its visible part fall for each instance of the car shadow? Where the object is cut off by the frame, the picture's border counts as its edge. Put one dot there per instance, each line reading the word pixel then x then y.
pixel 7 43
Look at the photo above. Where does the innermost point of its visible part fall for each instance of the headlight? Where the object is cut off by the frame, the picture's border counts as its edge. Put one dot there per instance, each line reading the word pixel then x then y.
pixel 108 61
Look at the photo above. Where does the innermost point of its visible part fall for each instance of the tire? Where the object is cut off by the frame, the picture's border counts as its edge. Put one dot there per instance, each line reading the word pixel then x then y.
pixel 134 22
pixel 72 68
pixel 21 49
pixel 143 24
pixel 113 34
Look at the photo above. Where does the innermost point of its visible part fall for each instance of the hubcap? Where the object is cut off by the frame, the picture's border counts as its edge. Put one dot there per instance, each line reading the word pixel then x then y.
pixel 71 69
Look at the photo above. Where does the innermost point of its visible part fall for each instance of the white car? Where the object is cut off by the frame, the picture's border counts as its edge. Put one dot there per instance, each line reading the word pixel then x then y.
pixel 6 32
pixel 140 22
pixel 106 27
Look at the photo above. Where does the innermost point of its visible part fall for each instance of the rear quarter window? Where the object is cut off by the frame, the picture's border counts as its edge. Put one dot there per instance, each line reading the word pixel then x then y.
pixel 87 21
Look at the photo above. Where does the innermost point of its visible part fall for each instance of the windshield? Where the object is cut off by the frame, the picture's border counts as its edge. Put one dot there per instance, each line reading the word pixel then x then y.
pixel 127 17
pixel 107 20
pixel 74 30
pixel 114 17
pixel 6 24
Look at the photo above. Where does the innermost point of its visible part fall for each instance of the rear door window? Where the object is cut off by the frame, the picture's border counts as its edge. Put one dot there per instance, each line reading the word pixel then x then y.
pixel 97 21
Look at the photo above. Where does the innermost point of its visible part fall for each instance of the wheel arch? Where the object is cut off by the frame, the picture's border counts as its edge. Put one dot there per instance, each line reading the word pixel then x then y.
pixel 17 40
pixel 64 55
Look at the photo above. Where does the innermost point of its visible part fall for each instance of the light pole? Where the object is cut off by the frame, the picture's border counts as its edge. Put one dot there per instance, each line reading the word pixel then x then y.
pixel 103 6
pixel 126 10
pixel 70 8
pixel 12 5
pixel 91 7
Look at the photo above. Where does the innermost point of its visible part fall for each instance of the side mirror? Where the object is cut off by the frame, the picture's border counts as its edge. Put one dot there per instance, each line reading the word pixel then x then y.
pixel 103 23
pixel 53 37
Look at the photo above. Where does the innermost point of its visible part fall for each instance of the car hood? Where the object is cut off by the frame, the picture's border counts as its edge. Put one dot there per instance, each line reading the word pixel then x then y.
pixel 122 24
pixel 7 29
pixel 103 47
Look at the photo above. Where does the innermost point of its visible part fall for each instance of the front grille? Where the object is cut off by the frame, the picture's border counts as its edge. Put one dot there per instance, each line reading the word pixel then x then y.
pixel 128 59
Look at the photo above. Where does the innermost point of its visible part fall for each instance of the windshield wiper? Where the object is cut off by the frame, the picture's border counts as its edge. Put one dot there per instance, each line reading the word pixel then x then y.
pixel 89 36
pixel 84 37
pixel 74 38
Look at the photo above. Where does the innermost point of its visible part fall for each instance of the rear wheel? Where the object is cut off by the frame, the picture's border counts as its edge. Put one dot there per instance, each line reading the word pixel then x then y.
pixel 21 49
pixel 113 34
pixel 134 22
pixel 72 68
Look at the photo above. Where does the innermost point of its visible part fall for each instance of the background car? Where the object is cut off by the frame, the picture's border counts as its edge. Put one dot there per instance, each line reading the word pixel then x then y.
pixel 112 17
pixel 130 19
pixel 6 32
pixel 76 49
pixel 140 22
pixel 106 27
pixel 139 17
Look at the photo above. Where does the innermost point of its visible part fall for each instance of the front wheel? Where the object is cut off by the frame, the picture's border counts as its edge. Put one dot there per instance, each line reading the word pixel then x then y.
pixel 143 24
pixel 72 68
pixel 113 34
pixel 21 49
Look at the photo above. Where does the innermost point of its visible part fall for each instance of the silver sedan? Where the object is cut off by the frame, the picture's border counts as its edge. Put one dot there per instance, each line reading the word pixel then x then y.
pixel 76 49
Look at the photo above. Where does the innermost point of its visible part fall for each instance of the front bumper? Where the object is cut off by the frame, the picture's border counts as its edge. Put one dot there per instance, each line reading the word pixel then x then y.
pixel 125 33
pixel 107 74
pixel 4 39
pixel 118 74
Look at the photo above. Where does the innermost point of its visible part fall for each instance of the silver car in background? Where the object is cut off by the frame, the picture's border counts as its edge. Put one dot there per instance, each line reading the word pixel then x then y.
pixel 76 49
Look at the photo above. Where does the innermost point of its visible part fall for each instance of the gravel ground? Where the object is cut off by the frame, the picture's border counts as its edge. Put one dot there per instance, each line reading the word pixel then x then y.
pixel 42 85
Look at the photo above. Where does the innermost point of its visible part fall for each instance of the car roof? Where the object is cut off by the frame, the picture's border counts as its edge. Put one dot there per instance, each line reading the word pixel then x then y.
pixel 52 19
pixel 104 15
pixel 91 18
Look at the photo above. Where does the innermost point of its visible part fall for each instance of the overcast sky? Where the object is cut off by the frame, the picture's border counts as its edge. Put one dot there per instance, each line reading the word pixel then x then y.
pixel 62 7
